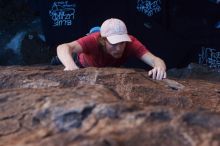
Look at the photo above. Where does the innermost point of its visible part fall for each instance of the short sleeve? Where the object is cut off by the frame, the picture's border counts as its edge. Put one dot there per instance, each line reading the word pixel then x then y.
pixel 136 47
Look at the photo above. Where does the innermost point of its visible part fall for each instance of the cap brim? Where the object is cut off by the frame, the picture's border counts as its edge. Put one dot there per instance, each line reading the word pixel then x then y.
pixel 118 38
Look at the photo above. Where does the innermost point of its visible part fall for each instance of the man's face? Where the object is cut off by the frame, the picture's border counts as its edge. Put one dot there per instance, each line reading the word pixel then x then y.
pixel 115 50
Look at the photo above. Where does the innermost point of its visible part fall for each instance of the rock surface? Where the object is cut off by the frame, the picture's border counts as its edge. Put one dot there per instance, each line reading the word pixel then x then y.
pixel 43 105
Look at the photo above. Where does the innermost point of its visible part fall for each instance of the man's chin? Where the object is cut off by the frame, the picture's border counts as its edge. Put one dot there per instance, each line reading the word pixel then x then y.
pixel 117 56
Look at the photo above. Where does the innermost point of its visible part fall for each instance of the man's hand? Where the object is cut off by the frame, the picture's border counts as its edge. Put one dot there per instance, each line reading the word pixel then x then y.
pixel 64 53
pixel 159 68
pixel 70 68
pixel 157 73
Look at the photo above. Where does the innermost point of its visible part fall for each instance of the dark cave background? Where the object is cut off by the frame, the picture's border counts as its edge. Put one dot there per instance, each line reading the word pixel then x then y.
pixel 180 32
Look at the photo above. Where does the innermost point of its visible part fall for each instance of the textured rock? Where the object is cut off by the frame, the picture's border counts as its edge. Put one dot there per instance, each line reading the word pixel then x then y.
pixel 43 105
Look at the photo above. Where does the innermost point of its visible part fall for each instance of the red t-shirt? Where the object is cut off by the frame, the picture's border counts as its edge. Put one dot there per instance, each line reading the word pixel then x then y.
pixel 94 56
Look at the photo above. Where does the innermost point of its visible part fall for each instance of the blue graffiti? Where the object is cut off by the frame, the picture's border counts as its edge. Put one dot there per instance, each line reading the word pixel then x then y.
pixel 62 13
pixel 210 57
pixel 148 7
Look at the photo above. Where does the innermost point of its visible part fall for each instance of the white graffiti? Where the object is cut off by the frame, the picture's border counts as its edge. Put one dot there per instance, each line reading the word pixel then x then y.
pixel 148 7
pixel 62 13
pixel 210 57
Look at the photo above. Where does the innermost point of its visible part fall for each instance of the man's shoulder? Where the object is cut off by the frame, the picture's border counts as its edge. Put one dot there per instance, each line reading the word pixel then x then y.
pixel 89 42
pixel 94 35
pixel 91 38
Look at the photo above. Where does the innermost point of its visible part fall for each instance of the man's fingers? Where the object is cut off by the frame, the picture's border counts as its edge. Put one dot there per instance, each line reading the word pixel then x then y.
pixel 150 73
pixel 165 75
pixel 159 75
pixel 154 74
pixel 70 68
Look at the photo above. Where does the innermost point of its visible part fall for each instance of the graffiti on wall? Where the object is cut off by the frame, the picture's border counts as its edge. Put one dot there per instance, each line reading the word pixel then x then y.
pixel 210 57
pixel 62 13
pixel 149 7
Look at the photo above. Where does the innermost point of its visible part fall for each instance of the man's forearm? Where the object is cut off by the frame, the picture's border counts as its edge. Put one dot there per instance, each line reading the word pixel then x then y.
pixel 152 60
pixel 65 55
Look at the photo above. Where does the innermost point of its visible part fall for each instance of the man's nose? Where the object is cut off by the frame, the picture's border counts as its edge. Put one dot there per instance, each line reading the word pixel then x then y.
pixel 118 48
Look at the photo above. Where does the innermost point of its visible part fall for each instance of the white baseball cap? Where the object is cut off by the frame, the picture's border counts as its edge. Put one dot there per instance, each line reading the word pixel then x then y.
pixel 115 31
